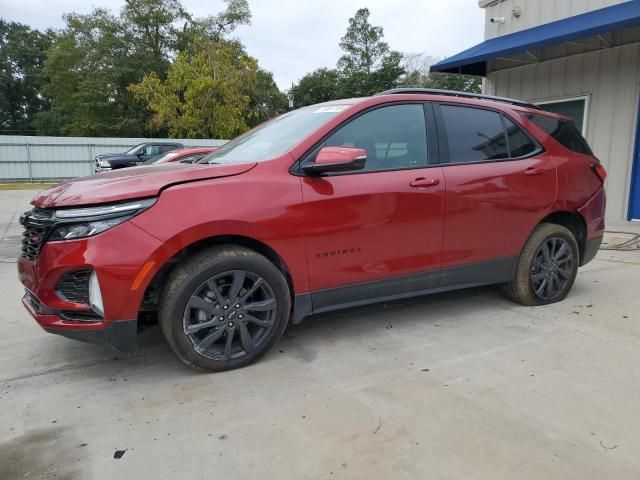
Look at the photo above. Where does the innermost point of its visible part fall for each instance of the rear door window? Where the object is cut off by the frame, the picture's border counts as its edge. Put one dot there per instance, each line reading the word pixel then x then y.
pixel 563 131
pixel 474 135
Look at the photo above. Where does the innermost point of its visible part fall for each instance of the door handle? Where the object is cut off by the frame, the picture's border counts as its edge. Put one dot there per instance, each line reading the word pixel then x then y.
pixel 533 171
pixel 424 182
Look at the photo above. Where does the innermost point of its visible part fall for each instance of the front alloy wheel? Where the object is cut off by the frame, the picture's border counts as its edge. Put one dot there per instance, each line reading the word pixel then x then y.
pixel 230 315
pixel 223 308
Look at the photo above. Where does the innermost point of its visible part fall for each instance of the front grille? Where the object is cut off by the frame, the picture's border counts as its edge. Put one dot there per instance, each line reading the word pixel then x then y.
pixel 37 225
pixel 74 286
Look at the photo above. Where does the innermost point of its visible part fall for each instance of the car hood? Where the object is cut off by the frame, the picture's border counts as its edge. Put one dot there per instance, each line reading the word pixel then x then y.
pixel 130 183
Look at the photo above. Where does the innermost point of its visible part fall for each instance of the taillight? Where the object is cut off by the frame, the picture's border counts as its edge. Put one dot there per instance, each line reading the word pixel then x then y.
pixel 599 170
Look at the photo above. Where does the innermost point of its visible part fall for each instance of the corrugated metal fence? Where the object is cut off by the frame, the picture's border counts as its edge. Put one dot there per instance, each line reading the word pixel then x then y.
pixel 26 158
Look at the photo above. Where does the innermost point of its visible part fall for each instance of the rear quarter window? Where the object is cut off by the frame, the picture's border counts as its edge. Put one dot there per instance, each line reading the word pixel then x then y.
pixel 563 131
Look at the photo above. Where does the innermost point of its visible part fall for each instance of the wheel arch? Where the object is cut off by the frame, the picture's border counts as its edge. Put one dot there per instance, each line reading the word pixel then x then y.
pixel 575 223
pixel 154 286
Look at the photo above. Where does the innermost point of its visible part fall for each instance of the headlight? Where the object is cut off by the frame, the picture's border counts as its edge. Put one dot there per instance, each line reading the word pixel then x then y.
pixel 88 221
pixel 80 230
pixel 104 164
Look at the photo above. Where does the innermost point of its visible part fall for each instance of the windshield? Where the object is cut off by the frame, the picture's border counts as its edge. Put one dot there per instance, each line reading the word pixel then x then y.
pixel 275 137
pixel 134 150
pixel 162 158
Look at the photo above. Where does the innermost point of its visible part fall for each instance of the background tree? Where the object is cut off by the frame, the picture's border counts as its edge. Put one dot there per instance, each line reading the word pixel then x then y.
pixel 267 101
pixel 152 28
pixel 98 56
pixel 88 71
pixel 318 86
pixel 22 55
pixel 214 28
pixel 206 95
pixel 368 65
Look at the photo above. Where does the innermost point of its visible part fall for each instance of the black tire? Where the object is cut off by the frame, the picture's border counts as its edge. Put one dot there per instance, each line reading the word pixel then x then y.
pixel 535 277
pixel 215 271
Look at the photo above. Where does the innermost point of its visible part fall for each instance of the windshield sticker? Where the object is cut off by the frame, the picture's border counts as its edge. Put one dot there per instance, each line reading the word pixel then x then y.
pixel 331 109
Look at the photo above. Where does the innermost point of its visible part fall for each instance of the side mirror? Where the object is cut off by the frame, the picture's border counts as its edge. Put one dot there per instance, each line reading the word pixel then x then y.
pixel 336 159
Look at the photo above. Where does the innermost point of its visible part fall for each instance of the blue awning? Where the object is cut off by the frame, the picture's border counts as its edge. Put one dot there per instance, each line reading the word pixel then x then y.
pixel 597 22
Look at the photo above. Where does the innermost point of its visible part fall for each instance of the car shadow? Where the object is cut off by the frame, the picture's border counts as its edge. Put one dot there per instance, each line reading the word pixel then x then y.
pixel 304 341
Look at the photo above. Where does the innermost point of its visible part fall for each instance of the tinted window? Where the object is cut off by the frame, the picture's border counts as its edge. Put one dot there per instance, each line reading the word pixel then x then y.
pixel 394 137
pixel 564 131
pixel 474 135
pixel 167 148
pixel 520 144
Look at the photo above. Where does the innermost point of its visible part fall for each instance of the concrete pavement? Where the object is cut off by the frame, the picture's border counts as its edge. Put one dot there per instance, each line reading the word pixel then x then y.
pixel 464 385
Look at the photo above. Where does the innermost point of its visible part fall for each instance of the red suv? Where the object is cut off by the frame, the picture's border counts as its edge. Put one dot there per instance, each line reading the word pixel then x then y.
pixel 335 205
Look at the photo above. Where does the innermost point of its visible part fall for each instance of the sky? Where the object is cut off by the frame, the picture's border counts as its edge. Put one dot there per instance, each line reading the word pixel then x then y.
pixel 293 37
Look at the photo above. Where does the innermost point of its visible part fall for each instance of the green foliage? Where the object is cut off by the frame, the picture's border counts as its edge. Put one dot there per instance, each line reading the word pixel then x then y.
pixel 155 69
pixel 206 95
pixel 88 71
pixel 318 86
pixel 363 45
pixel 22 54
pixel 198 31
pixel 152 28
pixel 267 100
pixel 368 65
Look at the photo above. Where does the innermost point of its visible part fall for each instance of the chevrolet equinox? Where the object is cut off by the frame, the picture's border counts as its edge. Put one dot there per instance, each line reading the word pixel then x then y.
pixel 335 205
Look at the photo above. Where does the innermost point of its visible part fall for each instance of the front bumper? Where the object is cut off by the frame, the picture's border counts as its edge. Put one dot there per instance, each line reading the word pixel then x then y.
pixel 117 256
pixel 121 335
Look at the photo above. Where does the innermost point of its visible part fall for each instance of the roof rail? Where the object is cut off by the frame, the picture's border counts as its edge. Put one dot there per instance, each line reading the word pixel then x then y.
pixel 454 93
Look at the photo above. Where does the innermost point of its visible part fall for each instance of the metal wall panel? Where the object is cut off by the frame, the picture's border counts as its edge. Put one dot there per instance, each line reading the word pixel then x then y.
pixel 611 79
pixel 58 158
pixel 536 12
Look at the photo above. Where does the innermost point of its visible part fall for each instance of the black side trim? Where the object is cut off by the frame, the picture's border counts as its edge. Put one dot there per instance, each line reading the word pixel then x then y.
pixel 489 272
pixel 376 291
pixel 591 247
pixel 500 270
pixel 121 335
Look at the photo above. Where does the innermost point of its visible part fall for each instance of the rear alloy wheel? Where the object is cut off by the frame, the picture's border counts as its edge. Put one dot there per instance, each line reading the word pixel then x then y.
pixel 224 308
pixel 552 269
pixel 547 267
